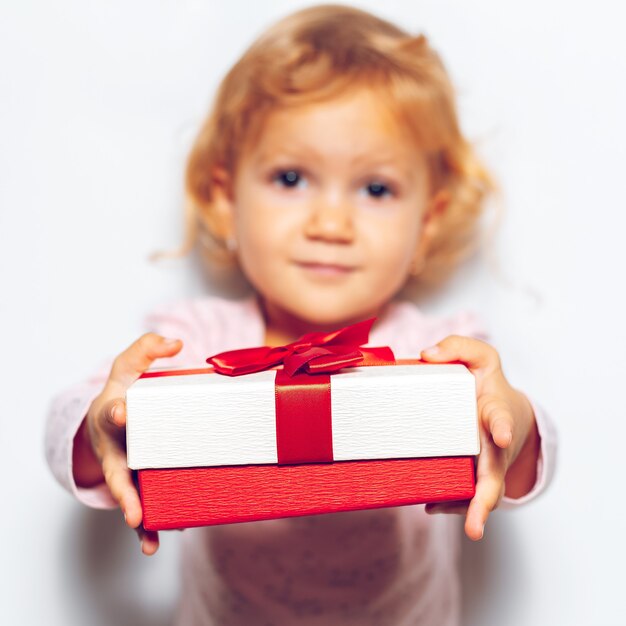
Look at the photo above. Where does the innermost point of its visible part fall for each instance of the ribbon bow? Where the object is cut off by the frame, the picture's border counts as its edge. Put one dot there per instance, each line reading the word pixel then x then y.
pixel 302 386
pixel 311 354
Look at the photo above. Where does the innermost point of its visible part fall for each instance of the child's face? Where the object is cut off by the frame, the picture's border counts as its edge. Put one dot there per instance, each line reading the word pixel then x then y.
pixel 330 208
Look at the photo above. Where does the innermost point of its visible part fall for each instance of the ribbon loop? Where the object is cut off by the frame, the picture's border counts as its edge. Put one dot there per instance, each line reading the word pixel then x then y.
pixel 312 353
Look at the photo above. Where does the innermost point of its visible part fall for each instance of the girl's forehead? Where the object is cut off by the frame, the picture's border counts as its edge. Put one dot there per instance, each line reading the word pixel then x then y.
pixel 356 121
pixel 363 103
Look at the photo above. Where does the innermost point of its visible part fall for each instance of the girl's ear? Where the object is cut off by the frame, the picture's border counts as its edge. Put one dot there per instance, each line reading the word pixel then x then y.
pixel 431 225
pixel 218 217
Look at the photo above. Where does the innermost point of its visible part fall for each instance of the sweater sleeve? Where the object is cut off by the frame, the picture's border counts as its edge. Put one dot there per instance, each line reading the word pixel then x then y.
pixel 65 415
pixel 68 409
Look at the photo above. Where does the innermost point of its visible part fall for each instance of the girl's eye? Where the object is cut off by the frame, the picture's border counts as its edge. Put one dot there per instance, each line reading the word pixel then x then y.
pixel 289 178
pixel 377 190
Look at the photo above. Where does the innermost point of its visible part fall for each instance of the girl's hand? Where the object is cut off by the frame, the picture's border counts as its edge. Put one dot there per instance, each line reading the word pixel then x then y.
pixel 508 433
pixel 101 442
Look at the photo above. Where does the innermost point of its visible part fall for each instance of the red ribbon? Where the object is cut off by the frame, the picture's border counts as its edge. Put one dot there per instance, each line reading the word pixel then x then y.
pixel 302 387
pixel 313 353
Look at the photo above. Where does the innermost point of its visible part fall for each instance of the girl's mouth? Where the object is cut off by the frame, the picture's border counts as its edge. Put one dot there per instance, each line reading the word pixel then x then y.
pixel 325 269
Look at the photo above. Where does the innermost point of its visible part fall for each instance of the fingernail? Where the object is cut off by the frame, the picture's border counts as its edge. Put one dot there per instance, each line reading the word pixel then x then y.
pixel 431 351
pixel 482 531
pixel 168 341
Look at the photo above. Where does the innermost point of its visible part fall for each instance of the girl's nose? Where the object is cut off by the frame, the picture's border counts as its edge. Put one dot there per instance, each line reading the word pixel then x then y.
pixel 331 219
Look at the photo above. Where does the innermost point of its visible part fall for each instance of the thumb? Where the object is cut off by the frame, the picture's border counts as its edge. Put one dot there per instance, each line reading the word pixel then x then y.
pixel 139 356
pixel 473 353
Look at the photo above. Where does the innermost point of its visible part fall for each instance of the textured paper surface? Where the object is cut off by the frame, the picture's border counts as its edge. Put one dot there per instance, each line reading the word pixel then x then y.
pixel 220 495
pixel 400 411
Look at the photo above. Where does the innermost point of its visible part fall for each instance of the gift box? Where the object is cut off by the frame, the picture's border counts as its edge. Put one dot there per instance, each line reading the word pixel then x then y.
pixel 331 426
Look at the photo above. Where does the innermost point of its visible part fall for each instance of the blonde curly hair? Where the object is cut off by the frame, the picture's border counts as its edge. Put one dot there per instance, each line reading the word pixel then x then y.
pixel 314 55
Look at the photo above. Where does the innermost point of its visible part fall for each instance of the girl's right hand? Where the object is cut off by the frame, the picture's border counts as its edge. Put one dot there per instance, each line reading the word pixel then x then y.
pixel 105 430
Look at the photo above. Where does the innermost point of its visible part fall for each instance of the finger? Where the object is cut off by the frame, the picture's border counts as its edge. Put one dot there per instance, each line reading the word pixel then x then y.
pixel 490 473
pixel 118 413
pixel 107 426
pixel 120 482
pixel 498 419
pixel 474 353
pixel 481 506
pixel 138 357
pixel 113 414
pixel 149 540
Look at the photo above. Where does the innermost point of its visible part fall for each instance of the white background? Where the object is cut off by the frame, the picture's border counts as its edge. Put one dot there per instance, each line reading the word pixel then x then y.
pixel 98 105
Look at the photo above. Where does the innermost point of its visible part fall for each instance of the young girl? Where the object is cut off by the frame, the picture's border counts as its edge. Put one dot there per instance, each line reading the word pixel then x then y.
pixel 332 169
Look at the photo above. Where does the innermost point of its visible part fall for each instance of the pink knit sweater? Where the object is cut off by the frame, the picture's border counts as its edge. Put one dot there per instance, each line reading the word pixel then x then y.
pixel 385 567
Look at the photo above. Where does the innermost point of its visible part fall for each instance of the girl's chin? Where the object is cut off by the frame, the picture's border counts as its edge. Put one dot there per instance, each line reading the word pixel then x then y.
pixel 320 318
pixel 321 314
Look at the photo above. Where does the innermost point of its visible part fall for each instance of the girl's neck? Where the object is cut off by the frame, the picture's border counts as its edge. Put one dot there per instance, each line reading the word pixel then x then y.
pixel 282 328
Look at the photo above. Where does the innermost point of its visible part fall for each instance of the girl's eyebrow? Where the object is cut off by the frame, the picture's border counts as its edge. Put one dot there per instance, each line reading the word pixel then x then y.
pixel 291 151
pixel 373 157
pixel 379 157
pixel 398 161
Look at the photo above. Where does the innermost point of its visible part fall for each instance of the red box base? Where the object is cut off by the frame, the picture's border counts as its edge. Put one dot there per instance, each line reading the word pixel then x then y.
pixel 204 496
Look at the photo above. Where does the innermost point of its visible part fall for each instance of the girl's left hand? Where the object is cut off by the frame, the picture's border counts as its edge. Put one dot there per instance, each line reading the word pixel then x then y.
pixel 509 441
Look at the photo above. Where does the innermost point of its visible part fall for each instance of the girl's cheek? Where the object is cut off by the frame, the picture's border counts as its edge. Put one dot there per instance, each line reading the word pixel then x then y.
pixel 389 231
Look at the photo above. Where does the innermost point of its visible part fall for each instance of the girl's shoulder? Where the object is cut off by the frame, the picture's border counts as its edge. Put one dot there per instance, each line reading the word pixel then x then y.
pixel 210 324
pixel 408 330
pixel 203 309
